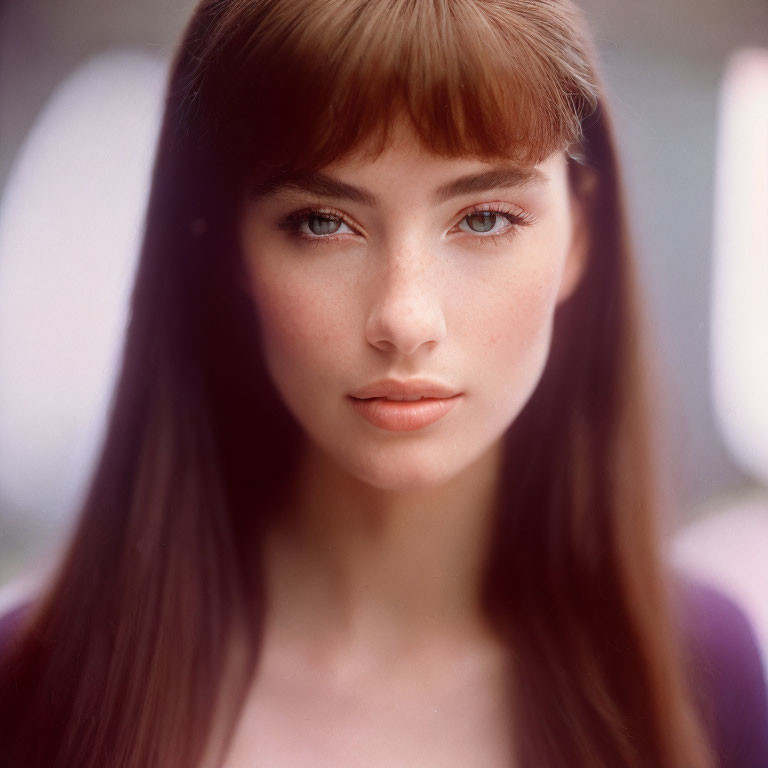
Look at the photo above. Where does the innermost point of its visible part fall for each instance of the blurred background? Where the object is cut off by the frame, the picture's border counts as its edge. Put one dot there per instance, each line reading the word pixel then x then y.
pixel 81 88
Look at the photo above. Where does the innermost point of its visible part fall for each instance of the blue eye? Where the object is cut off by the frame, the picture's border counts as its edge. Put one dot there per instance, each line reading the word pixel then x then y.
pixel 318 224
pixel 481 221
pixel 490 223
pixel 315 225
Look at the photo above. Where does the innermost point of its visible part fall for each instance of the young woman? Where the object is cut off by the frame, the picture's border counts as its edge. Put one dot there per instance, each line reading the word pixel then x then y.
pixel 284 560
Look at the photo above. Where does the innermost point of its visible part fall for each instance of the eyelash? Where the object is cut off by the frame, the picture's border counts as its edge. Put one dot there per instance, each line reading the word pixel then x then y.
pixel 293 221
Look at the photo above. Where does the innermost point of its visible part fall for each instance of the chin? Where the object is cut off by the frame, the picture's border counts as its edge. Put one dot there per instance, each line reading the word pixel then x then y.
pixel 405 470
pixel 407 480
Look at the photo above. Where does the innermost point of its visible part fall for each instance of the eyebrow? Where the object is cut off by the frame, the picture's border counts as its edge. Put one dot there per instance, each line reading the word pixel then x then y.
pixel 322 185
pixel 496 178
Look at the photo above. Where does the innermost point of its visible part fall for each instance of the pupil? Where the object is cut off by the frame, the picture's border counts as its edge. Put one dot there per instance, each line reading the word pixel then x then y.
pixel 323 225
pixel 481 221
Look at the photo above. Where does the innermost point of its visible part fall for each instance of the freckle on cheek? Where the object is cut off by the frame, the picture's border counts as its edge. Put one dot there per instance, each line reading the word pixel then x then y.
pixel 297 322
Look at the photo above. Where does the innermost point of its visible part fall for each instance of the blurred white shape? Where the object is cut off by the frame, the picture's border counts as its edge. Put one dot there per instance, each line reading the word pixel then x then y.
pixel 727 549
pixel 740 284
pixel 71 220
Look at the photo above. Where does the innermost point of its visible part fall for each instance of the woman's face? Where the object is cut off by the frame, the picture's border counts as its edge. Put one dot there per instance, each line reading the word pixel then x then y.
pixel 410 266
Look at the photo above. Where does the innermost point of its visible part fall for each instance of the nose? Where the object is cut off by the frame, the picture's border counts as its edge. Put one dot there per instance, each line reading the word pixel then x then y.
pixel 406 313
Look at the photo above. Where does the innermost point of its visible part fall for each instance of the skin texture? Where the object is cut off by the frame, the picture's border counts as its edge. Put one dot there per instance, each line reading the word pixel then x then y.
pixel 401 291
pixel 376 651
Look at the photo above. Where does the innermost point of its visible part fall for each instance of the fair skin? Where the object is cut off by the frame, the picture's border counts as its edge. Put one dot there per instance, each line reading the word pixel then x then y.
pixel 376 650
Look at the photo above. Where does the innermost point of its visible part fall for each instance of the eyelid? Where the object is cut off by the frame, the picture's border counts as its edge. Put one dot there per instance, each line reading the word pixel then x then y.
pixel 497 206
pixel 292 221
pixel 516 216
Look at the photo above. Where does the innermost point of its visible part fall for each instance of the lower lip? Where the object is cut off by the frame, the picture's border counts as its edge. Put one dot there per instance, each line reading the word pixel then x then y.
pixel 403 416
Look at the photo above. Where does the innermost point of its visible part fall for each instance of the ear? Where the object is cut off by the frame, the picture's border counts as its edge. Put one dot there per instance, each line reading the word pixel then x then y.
pixel 582 185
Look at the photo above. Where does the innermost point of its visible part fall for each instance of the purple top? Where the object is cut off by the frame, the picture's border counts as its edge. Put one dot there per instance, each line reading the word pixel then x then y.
pixel 727 673
pixel 728 677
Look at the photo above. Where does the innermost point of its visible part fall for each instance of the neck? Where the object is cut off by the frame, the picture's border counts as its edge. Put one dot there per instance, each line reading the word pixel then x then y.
pixel 357 565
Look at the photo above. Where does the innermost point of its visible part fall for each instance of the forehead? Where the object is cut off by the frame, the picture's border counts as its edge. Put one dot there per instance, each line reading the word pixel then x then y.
pixel 402 145
pixel 404 166
pixel 395 179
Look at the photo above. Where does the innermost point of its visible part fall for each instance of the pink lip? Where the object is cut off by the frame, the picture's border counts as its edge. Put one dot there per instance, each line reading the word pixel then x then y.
pixel 403 416
pixel 384 403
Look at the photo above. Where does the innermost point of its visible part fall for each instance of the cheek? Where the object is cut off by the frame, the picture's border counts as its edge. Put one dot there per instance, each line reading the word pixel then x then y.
pixel 519 314
pixel 300 325
pixel 516 331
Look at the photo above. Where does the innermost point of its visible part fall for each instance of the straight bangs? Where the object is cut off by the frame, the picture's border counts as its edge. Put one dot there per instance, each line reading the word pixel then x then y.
pixel 289 87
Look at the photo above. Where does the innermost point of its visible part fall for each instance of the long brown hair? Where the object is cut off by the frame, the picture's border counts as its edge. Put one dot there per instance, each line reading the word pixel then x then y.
pixel 141 648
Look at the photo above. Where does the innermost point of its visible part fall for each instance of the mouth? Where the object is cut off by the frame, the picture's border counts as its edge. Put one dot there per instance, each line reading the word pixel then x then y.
pixel 403 398
pixel 403 414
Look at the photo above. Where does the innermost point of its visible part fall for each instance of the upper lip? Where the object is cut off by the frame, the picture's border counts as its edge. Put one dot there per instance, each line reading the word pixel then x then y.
pixel 399 390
